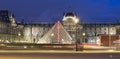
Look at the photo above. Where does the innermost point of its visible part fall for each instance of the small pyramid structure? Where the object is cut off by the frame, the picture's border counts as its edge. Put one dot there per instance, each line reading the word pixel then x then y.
pixel 56 35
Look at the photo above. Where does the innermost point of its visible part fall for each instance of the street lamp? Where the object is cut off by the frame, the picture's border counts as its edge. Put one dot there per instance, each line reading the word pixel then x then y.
pixel 76 23
pixel 52 34
pixel 83 34
pixel 19 34
pixel 109 33
pixel 76 20
pixel 110 38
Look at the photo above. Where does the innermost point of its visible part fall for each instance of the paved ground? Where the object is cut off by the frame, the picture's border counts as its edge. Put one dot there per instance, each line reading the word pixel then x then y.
pixel 51 54
pixel 59 51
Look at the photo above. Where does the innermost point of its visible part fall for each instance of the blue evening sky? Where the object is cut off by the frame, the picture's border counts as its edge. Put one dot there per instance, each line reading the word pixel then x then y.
pixel 53 10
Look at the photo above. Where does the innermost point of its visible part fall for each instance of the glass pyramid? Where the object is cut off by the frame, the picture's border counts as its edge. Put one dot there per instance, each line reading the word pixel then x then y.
pixel 56 35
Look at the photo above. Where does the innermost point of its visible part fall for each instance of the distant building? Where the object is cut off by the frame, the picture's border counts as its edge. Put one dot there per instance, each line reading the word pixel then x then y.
pixel 32 32
pixel 71 23
pixel 7 26
pixel 94 30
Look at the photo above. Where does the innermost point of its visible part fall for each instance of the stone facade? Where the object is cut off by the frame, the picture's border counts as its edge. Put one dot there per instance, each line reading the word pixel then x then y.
pixel 12 31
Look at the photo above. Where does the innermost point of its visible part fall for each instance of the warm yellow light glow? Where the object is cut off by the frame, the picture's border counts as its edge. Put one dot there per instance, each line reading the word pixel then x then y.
pixel 83 34
pixel 76 20
pixel 111 33
pixel 19 34
pixel 2 45
pixel 52 34
pixel 110 50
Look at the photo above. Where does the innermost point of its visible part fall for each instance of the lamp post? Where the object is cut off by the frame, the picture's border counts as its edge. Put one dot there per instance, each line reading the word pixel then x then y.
pixel 76 24
pixel 11 34
pixel 109 33
pixel 52 34
pixel 110 39
pixel 76 39
pixel 83 34
pixel 19 34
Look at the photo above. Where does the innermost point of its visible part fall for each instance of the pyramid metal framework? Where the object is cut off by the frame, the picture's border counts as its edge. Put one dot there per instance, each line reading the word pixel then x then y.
pixel 56 35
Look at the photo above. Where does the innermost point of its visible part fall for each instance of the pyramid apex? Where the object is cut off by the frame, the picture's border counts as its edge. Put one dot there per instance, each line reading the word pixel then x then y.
pixel 58 21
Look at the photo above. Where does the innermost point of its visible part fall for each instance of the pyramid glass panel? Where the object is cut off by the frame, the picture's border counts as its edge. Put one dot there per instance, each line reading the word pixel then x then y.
pixel 56 35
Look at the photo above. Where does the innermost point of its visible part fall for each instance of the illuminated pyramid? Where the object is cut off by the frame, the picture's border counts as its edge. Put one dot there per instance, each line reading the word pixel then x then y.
pixel 56 35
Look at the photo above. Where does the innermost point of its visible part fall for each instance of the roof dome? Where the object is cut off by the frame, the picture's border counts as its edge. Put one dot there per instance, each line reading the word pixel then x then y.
pixel 69 14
